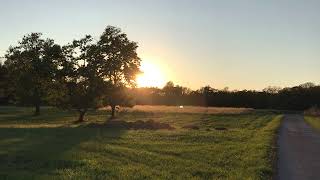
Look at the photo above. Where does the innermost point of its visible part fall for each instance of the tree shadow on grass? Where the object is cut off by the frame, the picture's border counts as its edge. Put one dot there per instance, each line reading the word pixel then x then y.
pixel 30 153
pixel 47 114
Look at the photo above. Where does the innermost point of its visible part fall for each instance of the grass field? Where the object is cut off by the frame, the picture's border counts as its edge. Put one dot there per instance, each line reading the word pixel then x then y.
pixel 186 109
pixel 52 147
pixel 313 121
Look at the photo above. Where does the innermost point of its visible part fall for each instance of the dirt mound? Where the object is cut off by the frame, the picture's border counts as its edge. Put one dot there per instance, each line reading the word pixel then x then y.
pixel 136 125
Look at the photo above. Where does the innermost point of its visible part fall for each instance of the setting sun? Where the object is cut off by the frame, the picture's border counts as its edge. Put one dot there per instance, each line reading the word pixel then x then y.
pixel 151 75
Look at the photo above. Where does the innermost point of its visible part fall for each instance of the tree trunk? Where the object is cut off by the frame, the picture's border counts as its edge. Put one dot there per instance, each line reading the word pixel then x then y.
pixel 37 110
pixel 81 115
pixel 36 101
pixel 113 111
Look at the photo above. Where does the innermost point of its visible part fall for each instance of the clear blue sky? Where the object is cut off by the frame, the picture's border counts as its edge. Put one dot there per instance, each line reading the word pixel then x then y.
pixel 242 44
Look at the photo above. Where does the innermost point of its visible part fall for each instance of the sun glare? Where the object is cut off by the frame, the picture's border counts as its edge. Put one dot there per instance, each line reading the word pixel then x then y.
pixel 151 76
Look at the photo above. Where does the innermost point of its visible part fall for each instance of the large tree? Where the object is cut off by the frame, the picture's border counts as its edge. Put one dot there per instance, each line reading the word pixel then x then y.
pixel 94 73
pixel 79 77
pixel 119 65
pixel 31 66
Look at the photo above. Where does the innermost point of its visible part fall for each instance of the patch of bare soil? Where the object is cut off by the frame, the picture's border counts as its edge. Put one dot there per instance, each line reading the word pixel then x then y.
pixel 136 125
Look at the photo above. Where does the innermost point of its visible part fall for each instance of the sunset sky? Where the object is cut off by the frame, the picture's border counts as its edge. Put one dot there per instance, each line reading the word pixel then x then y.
pixel 242 44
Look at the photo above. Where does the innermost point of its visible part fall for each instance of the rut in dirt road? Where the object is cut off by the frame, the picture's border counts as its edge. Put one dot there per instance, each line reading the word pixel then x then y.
pixel 299 150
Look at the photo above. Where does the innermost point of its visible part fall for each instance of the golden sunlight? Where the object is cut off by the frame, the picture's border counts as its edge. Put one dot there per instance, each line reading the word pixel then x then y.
pixel 151 75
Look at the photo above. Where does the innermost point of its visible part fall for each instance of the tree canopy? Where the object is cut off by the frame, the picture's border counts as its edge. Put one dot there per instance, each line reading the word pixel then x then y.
pixel 31 66
pixel 96 73
pixel 78 81
pixel 83 74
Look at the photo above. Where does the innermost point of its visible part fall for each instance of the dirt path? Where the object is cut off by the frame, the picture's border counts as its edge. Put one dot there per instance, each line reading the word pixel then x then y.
pixel 299 150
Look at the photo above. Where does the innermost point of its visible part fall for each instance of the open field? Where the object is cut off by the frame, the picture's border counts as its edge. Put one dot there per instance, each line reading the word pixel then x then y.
pixel 187 109
pixel 313 121
pixel 51 146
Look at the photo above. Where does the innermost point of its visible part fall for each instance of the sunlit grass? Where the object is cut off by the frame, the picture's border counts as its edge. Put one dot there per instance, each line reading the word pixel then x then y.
pixel 186 109
pixel 313 121
pixel 51 146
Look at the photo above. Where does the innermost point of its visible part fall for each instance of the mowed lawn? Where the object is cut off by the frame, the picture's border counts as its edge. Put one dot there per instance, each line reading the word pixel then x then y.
pixel 52 147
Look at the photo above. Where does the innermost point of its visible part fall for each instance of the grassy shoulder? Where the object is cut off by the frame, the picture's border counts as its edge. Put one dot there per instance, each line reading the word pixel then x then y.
pixel 49 147
pixel 265 141
pixel 313 121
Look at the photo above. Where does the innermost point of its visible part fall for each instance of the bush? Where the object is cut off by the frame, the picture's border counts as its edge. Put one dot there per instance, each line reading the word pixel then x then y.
pixel 313 111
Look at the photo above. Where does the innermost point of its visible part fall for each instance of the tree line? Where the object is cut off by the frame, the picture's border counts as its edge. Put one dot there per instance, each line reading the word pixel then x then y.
pixel 299 97
pixel 81 75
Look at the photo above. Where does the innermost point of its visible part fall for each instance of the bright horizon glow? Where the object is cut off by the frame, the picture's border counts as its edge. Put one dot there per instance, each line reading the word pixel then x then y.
pixel 151 75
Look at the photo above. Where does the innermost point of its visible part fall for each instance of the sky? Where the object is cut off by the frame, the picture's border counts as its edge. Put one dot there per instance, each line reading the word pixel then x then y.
pixel 240 44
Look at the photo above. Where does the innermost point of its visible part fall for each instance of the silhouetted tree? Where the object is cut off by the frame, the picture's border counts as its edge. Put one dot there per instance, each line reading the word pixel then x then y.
pixel 119 64
pixel 207 93
pixel 174 94
pixel 295 98
pixel 93 74
pixel 272 89
pixel 79 77
pixel 307 85
pixel 118 96
pixel 4 84
pixel 31 66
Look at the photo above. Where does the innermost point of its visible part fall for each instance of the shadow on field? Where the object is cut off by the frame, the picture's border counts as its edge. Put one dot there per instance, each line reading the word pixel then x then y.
pixel 34 152
pixel 136 125
pixel 30 117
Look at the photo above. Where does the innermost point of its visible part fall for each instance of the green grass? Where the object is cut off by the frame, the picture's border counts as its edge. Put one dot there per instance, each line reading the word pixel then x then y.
pixel 52 147
pixel 313 121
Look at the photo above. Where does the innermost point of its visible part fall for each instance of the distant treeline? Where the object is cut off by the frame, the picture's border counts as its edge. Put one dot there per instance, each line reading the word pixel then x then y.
pixel 299 97
pixel 294 98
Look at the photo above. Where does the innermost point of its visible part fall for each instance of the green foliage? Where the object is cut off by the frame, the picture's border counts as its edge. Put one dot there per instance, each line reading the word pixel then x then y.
pixel 50 146
pixel 313 121
pixel 120 62
pixel 119 66
pixel 31 66
pixel 93 74
pixel 81 75
pixel 79 83
pixel 4 84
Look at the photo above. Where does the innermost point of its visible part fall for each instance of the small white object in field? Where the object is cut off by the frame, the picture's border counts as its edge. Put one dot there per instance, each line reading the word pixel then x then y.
pixel 180 107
